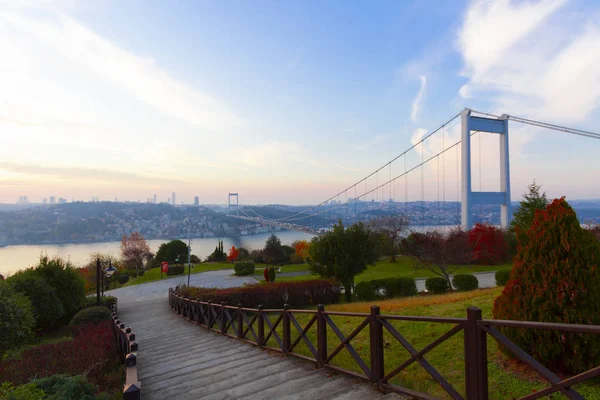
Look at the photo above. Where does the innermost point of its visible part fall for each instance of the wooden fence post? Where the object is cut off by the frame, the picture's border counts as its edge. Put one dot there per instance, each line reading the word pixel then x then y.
pixel 321 336
pixel 376 342
pixel 476 379
pixel 261 326
pixel 286 329
pixel 222 323
pixel 240 322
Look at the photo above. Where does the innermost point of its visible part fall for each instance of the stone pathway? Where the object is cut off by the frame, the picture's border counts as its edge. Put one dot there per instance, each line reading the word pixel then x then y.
pixel 179 360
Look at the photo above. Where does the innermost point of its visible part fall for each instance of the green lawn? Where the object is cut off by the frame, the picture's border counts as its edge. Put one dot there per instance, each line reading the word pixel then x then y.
pixel 507 379
pixel 404 266
pixel 154 273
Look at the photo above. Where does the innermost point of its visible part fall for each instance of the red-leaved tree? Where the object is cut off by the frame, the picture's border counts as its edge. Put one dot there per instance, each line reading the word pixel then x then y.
pixel 555 278
pixel 233 254
pixel 489 245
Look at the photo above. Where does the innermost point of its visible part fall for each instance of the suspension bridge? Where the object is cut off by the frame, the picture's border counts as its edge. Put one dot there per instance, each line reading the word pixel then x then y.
pixel 436 181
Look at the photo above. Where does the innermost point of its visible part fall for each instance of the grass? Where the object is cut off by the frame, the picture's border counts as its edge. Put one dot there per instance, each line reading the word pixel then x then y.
pixel 507 379
pixel 154 273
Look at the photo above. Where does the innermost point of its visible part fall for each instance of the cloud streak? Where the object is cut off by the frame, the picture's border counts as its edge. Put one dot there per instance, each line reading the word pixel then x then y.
pixel 416 104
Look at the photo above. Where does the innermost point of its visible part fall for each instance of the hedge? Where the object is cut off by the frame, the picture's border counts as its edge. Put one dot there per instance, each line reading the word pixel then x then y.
pixel 90 315
pixel 176 270
pixel 271 295
pixel 386 288
pixel 122 279
pixel 437 285
pixel 465 282
pixel 244 268
pixel 502 277
pixel 106 301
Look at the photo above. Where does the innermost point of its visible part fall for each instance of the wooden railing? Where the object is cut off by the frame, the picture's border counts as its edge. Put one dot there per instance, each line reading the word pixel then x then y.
pixel 127 349
pixel 254 325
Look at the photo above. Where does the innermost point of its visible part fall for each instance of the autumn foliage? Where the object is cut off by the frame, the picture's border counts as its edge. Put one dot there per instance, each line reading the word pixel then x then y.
pixel 91 352
pixel 489 245
pixel 555 278
pixel 301 249
pixel 233 254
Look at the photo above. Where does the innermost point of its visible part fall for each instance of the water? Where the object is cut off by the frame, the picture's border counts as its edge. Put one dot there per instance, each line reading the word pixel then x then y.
pixel 15 258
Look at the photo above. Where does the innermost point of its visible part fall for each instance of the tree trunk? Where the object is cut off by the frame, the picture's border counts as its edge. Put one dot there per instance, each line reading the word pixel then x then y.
pixel 348 291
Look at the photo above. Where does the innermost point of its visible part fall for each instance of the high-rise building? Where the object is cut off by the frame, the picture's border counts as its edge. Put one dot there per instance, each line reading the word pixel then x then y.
pixel 173 198
pixel 23 200
pixel 154 198
pixel 52 200
pixel 61 200
pixel 45 200
pixel 196 201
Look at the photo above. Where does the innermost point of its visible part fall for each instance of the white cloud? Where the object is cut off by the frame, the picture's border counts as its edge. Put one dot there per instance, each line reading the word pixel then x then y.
pixel 416 104
pixel 140 76
pixel 527 61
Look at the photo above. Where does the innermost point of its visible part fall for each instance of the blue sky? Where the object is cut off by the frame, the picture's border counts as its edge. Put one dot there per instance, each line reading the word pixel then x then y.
pixel 285 101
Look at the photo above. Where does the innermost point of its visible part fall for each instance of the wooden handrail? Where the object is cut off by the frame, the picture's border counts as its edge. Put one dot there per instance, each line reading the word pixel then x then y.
pixel 127 348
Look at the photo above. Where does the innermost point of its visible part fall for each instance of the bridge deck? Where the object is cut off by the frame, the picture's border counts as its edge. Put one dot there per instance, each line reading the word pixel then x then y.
pixel 179 360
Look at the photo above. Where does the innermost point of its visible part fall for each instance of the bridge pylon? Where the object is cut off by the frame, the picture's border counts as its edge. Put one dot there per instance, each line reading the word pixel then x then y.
pixel 230 204
pixel 469 198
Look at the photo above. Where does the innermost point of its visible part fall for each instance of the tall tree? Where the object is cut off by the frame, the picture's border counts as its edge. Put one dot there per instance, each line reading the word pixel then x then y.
pixel 342 254
pixel 301 249
pixel 391 230
pixel 532 201
pixel 439 252
pixel 273 250
pixel 135 250
pixel 170 251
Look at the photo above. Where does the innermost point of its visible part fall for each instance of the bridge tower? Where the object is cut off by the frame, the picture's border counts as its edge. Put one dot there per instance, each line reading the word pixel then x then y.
pixel 230 204
pixel 469 198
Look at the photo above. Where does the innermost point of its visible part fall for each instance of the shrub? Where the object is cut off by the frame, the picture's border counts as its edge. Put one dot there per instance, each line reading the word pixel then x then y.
pixel 437 285
pixel 16 318
pixel 386 288
pixel 194 259
pixel 272 295
pixel 90 315
pixel 134 274
pixel 122 279
pixel 47 308
pixel 175 270
pixel 365 291
pixel 106 301
pixel 465 282
pixel 91 352
pixel 555 278
pixel 502 277
pixel 244 268
pixel 22 392
pixel 66 281
pixel 271 275
pixel 66 387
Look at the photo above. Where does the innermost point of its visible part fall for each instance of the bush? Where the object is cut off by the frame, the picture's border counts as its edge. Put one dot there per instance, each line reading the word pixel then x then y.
pixel 386 288
pixel 465 282
pixel 91 352
pixel 272 295
pixel 141 272
pixel 122 279
pixel 64 387
pixel 66 281
pixel 244 268
pixel 175 270
pixel 90 315
pixel 21 392
pixel 365 291
pixel 437 285
pixel 47 308
pixel 16 318
pixel 194 259
pixel 106 301
pixel 555 278
pixel 271 274
pixel 502 277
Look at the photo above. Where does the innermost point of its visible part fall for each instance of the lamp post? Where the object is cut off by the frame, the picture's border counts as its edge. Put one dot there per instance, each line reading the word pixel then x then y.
pixel 98 277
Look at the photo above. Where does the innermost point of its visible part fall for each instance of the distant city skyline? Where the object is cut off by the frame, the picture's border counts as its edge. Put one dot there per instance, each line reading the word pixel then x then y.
pixel 293 102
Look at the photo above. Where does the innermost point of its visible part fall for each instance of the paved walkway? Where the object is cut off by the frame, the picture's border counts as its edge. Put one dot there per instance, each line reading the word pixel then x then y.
pixel 179 360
